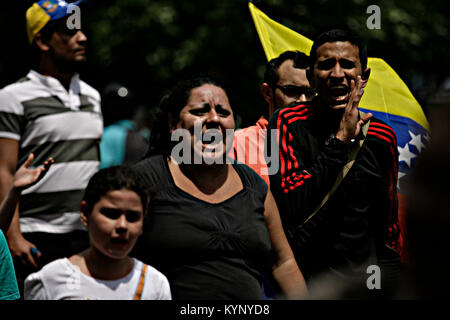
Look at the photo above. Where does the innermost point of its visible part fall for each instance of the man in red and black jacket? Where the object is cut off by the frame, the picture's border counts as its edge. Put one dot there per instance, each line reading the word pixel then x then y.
pixel 357 227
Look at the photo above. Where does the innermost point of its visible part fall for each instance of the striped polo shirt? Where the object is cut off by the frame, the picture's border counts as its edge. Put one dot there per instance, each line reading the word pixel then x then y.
pixel 50 121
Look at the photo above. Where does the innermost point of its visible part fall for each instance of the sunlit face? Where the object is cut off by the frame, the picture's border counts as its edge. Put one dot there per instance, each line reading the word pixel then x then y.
pixel 68 46
pixel 336 65
pixel 115 223
pixel 208 110
pixel 291 82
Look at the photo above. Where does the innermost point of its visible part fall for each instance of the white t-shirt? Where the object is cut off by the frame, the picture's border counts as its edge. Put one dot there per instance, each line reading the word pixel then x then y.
pixel 61 280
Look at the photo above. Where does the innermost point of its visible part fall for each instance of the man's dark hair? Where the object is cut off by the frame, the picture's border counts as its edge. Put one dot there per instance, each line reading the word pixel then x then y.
pixel 338 35
pixel 110 179
pixel 271 76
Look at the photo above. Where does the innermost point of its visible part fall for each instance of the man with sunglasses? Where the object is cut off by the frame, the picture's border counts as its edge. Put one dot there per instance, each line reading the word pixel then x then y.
pixel 51 113
pixel 284 83
pixel 337 226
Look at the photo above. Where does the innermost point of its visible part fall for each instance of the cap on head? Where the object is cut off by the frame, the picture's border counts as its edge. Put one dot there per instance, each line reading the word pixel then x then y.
pixel 41 12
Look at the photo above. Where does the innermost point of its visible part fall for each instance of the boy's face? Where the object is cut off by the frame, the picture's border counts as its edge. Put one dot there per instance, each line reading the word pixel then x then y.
pixel 115 223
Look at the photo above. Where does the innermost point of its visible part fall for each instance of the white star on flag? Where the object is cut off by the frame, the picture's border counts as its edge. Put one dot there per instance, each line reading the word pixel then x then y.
pixel 416 140
pixel 405 155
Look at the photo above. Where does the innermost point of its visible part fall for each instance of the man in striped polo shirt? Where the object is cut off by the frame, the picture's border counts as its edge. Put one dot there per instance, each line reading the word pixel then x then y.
pixel 356 227
pixel 50 113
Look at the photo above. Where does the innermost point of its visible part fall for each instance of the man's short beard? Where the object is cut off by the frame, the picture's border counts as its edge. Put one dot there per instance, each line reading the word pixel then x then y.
pixel 71 66
pixel 68 66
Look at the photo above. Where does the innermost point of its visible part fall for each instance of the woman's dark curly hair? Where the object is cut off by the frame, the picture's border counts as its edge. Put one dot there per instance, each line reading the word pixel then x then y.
pixel 170 107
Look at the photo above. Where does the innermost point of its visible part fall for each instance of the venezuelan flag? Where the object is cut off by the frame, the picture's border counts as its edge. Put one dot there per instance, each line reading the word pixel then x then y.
pixel 386 96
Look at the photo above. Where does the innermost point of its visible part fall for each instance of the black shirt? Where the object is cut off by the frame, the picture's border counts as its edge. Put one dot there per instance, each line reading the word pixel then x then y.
pixel 360 218
pixel 207 251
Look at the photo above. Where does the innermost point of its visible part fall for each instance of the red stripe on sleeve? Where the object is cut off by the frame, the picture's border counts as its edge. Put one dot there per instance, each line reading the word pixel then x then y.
pixel 291 153
pixel 283 150
pixel 299 113
pixel 388 133
pixel 297 118
pixel 388 128
pixel 288 161
pixel 383 138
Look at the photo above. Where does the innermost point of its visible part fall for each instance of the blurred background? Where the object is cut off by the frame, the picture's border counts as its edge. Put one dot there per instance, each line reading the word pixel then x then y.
pixel 148 45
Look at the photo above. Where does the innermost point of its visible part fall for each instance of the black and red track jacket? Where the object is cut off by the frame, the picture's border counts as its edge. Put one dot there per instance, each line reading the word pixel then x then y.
pixel 362 213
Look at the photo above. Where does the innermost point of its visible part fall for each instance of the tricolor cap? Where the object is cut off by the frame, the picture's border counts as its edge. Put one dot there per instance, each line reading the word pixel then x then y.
pixel 41 12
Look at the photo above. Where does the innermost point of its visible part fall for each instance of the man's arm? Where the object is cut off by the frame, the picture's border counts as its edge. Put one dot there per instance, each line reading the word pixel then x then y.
pixel 8 208
pixel 8 161
pixel 285 270
pixel 385 140
pixel 20 248
pixel 393 226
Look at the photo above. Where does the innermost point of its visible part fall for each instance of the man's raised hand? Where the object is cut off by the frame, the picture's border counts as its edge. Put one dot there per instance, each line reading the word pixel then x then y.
pixel 351 123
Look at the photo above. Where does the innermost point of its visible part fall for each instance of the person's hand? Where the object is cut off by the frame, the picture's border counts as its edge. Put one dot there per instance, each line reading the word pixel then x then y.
pixel 26 177
pixel 351 124
pixel 21 250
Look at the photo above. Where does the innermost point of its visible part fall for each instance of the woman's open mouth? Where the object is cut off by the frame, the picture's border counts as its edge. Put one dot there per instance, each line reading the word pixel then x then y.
pixel 212 139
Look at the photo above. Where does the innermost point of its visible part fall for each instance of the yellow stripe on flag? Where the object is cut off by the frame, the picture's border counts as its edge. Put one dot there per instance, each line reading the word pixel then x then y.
pixel 386 92
pixel 275 37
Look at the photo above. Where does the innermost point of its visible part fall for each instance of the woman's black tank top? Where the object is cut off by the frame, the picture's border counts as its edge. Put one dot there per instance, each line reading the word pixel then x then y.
pixel 207 251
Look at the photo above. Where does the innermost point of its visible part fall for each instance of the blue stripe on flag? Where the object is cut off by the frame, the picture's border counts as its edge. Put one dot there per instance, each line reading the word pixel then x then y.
pixel 412 138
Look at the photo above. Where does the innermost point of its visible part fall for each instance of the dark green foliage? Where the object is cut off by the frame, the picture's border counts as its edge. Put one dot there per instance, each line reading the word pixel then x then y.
pixel 151 44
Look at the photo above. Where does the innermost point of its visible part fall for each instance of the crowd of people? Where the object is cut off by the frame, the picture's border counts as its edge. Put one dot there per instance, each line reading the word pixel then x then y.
pixel 298 206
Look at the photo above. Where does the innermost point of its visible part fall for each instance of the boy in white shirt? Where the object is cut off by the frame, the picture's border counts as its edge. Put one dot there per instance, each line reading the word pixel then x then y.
pixel 112 210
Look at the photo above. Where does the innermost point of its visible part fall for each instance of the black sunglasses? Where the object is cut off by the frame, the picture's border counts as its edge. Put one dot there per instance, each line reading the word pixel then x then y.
pixel 295 91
